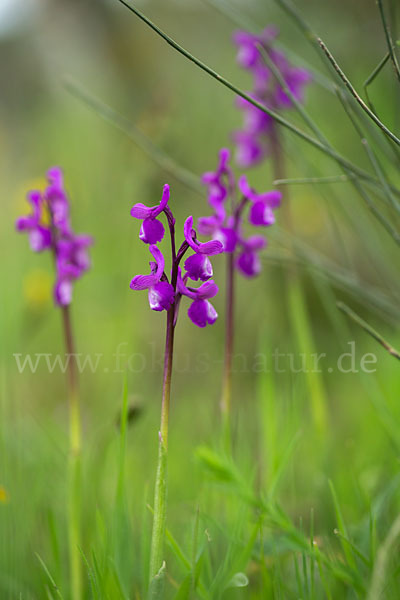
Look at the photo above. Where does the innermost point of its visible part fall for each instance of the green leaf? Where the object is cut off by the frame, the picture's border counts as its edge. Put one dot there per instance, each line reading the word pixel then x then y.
pixel 239 580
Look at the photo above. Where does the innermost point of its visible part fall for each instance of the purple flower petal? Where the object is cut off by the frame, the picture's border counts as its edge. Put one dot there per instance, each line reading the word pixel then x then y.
pixel 261 214
pixel 40 238
pixel 141 211
pixel 219 181
pixel 249 150
pixel 261 209
pixel 272 198
pixel 202 312
pixel 228 238
pixel 161 296
pixel 245 188
pixel 151 231
pixel 143 282
pixel 25 223
pixel 210 248
pixel 55 177
pixel 208 225
pixel 209 289
pixel 255 242
pixel 63 292
pixel 198 266
pixel 249 264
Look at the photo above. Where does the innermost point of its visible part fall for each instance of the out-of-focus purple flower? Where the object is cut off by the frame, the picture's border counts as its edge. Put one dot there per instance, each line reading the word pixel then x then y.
pixel 248 53
pixel 228 238
pixel 261 210
pixel 250 150
pixel 228 230
pixel 219 182
pixel 248 260
pixel 70 250
pixel 151 230
pixel 248 263
pixel 39 234
pixel 252 141
pixel 209 248
pixel 57 200
pixel 72 260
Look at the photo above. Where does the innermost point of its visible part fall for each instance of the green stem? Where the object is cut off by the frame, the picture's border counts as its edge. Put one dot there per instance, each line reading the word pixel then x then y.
pixel 74 463
pixel 226 399
pixel 357 97
pixel 370 330
pixel 160 495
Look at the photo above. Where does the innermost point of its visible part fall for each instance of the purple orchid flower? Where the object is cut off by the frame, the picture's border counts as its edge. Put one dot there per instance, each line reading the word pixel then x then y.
pixel 219 182
pixel 70 250
pixel 39 234
pixel 152 230
pixel 165 294
pixel 248 54
pixel 227 229
pixel 209 248
pixel 252 142
pixel 261 210
pixel 201 312
pixel 248 261
pixel 161 293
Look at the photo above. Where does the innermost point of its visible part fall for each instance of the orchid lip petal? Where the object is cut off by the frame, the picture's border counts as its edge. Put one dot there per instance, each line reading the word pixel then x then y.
pixel 202 313
pixel 151 231
pixel 198 266
pixel 143 282
pixel 161 296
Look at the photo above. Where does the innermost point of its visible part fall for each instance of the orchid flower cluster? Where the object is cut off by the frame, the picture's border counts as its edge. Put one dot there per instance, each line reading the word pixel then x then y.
pixel 49 228
pixel 165 293
pixel 226 225
pixel 252 142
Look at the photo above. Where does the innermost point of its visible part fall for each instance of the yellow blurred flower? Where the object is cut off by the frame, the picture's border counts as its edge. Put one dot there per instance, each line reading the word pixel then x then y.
pixel 37 289
pixel 4 497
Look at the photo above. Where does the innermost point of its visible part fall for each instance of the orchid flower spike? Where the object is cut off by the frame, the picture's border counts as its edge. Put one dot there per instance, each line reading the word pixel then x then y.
pixel 227 228
pixel 165 294
pixel 49 228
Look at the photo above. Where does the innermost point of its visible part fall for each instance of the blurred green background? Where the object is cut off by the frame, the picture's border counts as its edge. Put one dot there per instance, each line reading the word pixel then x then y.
pixel 339 249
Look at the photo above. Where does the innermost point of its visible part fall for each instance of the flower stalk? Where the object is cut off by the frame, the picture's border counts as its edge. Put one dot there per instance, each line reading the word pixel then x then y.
pixel 49 228
pixel 226 398
pixel 74 461
pixel 165 294
pixel 160 494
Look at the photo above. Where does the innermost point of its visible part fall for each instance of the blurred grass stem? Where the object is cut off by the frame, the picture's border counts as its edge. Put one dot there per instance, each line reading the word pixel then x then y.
pixel 74 461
